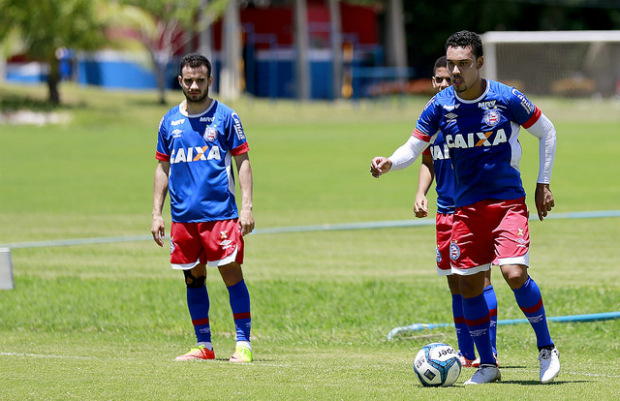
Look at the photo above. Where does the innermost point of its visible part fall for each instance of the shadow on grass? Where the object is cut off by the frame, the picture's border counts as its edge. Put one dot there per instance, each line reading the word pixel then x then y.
pixel 10 101
pixel 538 383
pixel 13 102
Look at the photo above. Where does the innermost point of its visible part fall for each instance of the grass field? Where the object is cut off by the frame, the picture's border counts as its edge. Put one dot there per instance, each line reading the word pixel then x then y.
pixel 105 321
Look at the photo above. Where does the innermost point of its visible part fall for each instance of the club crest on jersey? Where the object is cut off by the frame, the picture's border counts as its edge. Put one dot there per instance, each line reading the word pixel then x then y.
pixel 492 117
pixel 210 134
pixel 455 251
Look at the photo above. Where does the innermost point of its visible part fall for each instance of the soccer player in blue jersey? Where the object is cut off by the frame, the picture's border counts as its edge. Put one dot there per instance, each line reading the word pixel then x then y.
pixel 197 142
pixel 436 163
pixel 480 120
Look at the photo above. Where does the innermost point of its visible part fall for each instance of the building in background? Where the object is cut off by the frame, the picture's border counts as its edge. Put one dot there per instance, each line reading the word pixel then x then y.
pixel 268 65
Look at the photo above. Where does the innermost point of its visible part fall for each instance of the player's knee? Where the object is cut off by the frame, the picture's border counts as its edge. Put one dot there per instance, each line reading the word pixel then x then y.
pixel 193 282
pixel 515 279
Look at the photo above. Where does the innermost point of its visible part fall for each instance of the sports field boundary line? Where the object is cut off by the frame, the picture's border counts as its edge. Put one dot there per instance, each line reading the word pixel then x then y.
pixel 301 229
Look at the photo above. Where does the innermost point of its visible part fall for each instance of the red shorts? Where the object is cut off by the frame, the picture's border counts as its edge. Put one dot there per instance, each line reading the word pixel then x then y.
pixel 443 224
pixel 489 231
pixel 217 243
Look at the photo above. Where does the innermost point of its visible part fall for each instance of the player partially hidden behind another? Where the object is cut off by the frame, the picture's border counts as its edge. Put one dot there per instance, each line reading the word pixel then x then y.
pixel 480 120
pixel 196 143
pixel 436 163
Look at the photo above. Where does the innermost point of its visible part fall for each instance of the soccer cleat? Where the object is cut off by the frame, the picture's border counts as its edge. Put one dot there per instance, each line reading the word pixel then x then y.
pixel 485 374
pixel 197 353
pixel 476 363
pixel 243 354
pixel 549 364
pixel 467 363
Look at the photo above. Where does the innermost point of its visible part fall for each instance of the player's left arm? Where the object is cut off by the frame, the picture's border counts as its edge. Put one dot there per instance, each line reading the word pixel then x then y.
pixel 244 169
pixel 544 130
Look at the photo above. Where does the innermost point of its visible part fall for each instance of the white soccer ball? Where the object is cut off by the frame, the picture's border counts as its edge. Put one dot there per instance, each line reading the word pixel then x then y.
pixel 437 364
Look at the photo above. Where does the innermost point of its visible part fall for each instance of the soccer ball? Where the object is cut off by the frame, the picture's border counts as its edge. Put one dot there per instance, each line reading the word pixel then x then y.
pixel 437 364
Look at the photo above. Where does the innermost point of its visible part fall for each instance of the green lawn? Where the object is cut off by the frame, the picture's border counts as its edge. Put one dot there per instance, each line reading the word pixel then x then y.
pixel 105 321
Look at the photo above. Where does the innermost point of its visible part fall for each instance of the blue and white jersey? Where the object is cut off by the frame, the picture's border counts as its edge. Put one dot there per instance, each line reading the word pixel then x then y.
pixel 444 173
pixel 200 149
pixel 482 136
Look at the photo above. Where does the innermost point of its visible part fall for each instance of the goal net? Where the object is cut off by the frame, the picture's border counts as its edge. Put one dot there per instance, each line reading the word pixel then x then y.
pixel 555 63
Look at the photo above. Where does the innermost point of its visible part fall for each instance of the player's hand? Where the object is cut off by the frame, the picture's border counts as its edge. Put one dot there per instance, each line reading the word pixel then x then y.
pixel 420 207
pixel 246 221
pixel 379 166
pixel 544 200
pixel 158 229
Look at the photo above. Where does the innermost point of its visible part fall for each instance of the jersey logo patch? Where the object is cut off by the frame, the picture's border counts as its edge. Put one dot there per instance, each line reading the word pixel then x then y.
pixel 476 139
pixel 455 251
pixel 492 117
pixel 194 154
pixel 238 127
pixel 210 134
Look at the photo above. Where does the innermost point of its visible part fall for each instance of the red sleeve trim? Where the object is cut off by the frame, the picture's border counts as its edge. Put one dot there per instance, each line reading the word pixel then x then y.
pixel 421 135
pixel 532 120
pixel 239 150
pixel 162 157
pixel 427 151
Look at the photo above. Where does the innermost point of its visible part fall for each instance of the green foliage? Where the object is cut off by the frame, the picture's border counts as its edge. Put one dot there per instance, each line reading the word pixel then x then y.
pixel 105 321
pixel 182 10
pixel 52 24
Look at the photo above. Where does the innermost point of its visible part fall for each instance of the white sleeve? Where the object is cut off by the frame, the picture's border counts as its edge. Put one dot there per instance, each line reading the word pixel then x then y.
pixel 404 156
pixel 544 130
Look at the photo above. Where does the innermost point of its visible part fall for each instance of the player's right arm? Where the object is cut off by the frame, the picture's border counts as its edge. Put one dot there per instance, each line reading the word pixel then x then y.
pixel 425 179
pixel 402 157
pixel 419 140
pixel 160 189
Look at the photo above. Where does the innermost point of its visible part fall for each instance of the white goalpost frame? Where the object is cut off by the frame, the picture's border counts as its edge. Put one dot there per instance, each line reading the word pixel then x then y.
pixel 492 39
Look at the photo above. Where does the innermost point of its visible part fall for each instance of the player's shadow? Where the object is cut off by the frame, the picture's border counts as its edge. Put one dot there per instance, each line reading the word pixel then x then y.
pixel 538 383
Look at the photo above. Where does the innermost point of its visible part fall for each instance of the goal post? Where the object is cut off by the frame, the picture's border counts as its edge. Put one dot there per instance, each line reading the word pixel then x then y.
pixel 555 63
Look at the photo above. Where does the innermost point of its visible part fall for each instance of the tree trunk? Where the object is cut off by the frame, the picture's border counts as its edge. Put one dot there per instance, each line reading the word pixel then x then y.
pixel 230 74
pixel 396 46
pixel 160 72
pixel 53 79
pixel 205 42
pixel 302 76
pixel 336 42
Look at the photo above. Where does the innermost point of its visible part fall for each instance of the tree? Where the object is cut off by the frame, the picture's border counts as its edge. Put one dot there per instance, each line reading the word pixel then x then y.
pixel 46 26
pixel 167 27
pixel 335 23
pixel 302 69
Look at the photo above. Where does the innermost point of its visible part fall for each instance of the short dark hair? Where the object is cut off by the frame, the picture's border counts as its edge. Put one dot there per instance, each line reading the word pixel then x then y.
pixel 195 60
pixel 441 62
pixel 466 39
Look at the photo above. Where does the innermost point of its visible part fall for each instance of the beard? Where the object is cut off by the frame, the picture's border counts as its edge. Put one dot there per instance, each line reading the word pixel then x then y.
pixel 196 100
